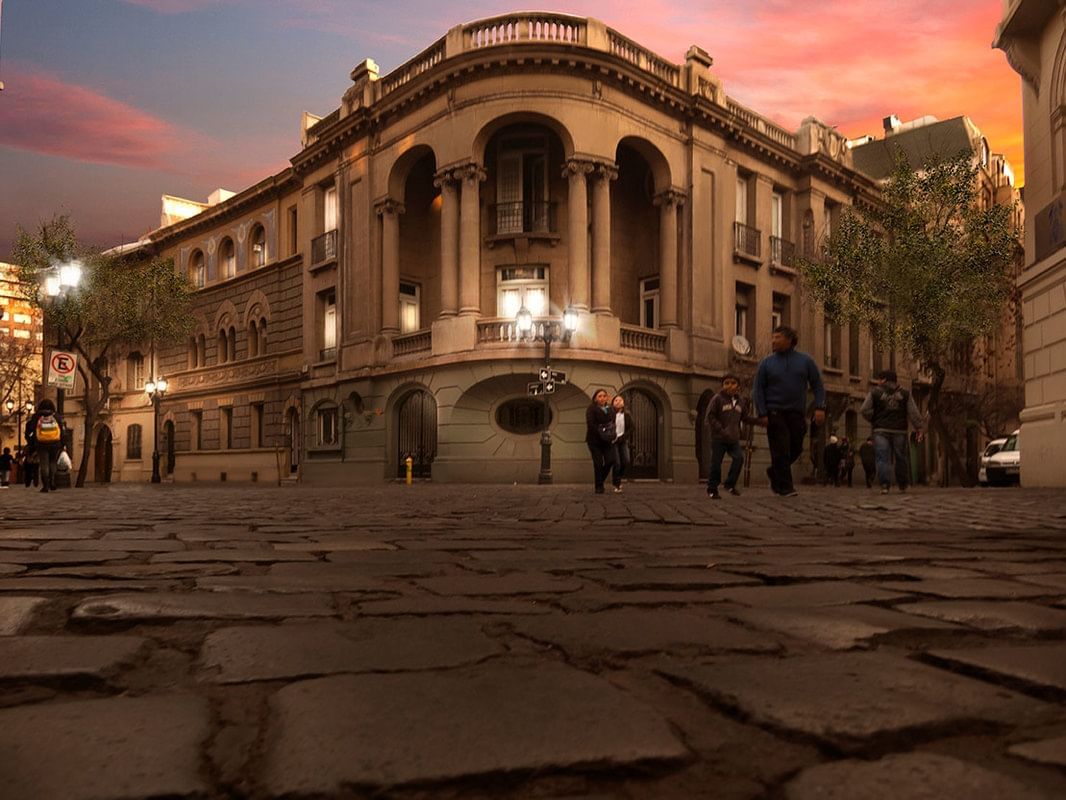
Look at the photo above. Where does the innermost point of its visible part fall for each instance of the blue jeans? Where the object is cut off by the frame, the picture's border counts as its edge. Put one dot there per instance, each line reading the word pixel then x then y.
pixel 621 462
pixel 889 448
pixel 718 452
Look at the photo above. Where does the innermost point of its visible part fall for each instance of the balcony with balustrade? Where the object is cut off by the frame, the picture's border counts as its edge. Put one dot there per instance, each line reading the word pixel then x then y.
pixel 323 250
pixel 782 256
pixel 747 244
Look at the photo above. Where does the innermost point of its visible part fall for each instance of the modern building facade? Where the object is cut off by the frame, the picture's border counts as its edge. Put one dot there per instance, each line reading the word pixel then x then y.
pixel 1033 36
pixel 20 354
pixel 360 306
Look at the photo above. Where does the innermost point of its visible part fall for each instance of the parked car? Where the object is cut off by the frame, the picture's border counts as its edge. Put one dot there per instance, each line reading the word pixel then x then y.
pixel 1004 467
pixel 991 449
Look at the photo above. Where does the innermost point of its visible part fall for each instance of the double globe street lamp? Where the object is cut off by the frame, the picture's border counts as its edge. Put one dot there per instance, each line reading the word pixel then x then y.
pixel 546 331
pixel 58 283
pixel 156 389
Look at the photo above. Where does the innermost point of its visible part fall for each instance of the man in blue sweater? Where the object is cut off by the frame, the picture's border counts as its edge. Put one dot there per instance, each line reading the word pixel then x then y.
pixel 781 403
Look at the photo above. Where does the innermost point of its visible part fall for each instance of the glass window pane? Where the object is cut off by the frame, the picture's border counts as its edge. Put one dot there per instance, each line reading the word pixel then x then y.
pixel 535 302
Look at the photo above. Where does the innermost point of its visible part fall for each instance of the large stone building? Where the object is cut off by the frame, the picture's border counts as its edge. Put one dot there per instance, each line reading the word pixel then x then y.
pixel 1033 35
pixel 360 306
pixel 20 354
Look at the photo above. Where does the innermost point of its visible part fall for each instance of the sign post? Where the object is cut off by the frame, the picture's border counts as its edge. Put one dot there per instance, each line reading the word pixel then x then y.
pixel 62 369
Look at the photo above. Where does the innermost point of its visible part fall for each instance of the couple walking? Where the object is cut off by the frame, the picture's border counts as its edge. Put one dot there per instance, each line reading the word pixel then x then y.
pixel 609 428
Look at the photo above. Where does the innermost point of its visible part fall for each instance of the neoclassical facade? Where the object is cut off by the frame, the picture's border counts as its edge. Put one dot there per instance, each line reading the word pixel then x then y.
pixel 1033 35
pixel 360 306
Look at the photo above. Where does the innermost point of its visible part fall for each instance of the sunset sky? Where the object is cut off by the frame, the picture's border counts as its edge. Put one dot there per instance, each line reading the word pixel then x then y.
pixel 112 103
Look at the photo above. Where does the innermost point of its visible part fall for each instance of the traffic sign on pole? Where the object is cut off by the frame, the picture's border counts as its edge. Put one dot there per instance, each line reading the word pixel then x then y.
pixel 62 367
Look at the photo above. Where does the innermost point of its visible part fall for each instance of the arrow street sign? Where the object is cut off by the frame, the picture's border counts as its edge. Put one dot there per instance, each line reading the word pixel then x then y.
pixel 548 374
pixel 534 389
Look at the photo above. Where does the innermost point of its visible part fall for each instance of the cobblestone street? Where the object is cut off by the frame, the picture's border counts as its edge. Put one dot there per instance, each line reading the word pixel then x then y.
pixel 525 641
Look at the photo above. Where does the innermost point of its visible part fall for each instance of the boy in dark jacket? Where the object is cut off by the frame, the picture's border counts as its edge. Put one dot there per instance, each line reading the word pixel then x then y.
pixel 725 414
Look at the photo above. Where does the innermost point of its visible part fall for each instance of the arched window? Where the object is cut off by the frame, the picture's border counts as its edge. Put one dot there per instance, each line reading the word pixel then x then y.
pixel 134 372
pixel 257 256
pixel 232 344
pixel 194 356
pixel 197 270
pixel 253 339
pixel 201 351
pixel 262 337
pixel 223 347
pixel 133 442
pixel 227 258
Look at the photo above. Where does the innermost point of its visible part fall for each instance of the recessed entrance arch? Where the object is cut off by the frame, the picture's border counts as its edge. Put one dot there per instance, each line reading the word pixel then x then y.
pixel 416 433
pixel 168 440
pixel 103 455
pixel 644 445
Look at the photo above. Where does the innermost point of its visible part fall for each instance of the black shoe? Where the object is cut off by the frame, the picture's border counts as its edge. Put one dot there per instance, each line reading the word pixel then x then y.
pixel 714 495
pixel 770 475
pixel 789 493
pixel 44 488
pixel 599 490
pixel 733 491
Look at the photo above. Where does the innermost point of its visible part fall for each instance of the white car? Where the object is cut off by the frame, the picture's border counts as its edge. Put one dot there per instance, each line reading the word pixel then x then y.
pixel 1005 466
pixel 991 449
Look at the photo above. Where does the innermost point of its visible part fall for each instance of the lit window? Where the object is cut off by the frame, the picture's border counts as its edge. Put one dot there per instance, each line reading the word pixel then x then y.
pixel 197 272
pixel 329 216
pixel 410 307
pixel 522 286
pixel 742 199
pixel 649 302
pixel 777 214
pixel 259 251
pixel 21 333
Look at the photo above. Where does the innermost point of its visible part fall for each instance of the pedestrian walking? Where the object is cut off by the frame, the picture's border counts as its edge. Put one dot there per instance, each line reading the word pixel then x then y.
pixel 832 462
pixel 44 437
pixel 623 431
pixel 599 436
pixel 780 395
pixel 847 464
pixel 889 407
pixel 6 462
pixel 726 414
pixel 869 463
pixel 29 468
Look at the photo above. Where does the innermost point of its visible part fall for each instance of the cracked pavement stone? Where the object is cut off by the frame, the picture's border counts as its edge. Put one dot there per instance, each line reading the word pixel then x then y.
pixel 827 593
pixel 66 656
pixel 1046 751
pixel 382 730
pixel 840 627
pixel 118 748
pixel 964 588
pixel 17 612
pixel 991 616
pixel 1041 664
pixel 652 578
pixel 915 776
pixel 298 650
pixel 846 699
pixel 513 583
pixel 265 555
pixel 166 606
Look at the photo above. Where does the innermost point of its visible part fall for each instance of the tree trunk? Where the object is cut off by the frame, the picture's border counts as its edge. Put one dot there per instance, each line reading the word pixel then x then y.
pixel 936 420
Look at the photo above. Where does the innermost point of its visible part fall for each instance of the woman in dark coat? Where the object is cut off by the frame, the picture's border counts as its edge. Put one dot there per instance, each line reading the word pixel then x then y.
pixel 599 436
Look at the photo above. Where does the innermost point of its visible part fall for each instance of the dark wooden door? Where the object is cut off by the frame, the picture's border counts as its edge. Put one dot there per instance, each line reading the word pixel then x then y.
pixel 103 455
pixel 416 424
pixel 168 438
pixel 644 443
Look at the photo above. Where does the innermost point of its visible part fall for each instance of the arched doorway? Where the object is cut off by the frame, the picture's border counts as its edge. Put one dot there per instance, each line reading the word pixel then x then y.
pixel 644 444
pixel 103 455
pixel 168 442
pixel 292 423
pixel 416 427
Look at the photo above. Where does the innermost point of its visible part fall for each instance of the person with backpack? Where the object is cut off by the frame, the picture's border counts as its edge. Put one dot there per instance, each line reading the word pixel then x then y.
pixel 889 407
pixel 44 437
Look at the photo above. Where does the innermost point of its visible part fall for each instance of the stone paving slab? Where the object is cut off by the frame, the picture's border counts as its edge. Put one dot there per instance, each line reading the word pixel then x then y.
pixel 1046 751
pixel 113 545
pixel 169 606
pixel 838 627
pixel 317 577
pixel 1054 580
pixel 12 569
pixel 118 748
pixel 16 613
pixel 488 585
pixel 1039 664
pixel 45 533
pixel 331 544
pixel 809 595
pixel 848 699
pixel 223 555
pixel 972 588
pixel 991 616
pixel 665 578
pixel 66 656
pixel 134 571
pixel 635 631
pixel 234 655
pixel 332 733
pixel 64 557
pixel 915 776
pixel 430 605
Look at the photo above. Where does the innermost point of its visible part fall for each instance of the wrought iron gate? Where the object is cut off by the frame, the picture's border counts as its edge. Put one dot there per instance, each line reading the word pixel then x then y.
pixel 416 425
pixel 644 443
pixel 168 438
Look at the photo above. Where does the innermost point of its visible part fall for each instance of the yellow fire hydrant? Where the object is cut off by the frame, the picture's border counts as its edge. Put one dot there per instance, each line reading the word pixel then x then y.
pixel 410 462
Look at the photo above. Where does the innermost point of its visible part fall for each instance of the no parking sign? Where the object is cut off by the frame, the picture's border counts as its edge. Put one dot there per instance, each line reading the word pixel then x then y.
pixel 61 369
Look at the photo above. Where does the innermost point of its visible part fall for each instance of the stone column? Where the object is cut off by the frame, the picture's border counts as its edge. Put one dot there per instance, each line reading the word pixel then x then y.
pixel 578 231
pixel 668 202
pixel 449 242
pixel 601 238
pixel 470 240
pixel 389 210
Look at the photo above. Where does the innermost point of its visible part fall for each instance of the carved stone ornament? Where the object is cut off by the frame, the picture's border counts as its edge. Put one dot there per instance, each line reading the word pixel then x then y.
pixel 389 206
pixel 472 173
pixel 607 171
pixel 446 176
pixel 226 375
pixel 578 166
pixel 671 197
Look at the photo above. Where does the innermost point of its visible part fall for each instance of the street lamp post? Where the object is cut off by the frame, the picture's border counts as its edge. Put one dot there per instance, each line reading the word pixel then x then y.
pixel 548 379
pixel 58 283
pixel 156 389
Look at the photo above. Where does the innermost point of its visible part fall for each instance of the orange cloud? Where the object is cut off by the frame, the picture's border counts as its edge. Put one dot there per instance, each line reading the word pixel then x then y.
pixel 44 114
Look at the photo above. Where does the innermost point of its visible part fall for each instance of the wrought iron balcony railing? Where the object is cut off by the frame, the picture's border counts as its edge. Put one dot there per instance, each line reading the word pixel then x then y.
pixel 324 248
pixel 747 241
pixel 782 252
pixel 524 217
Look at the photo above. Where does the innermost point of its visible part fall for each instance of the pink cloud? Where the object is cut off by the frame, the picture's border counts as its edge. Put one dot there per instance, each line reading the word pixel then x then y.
pixel 43 114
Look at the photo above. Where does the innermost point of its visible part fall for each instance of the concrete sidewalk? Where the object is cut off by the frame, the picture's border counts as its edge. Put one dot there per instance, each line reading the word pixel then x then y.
pixel 526 641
